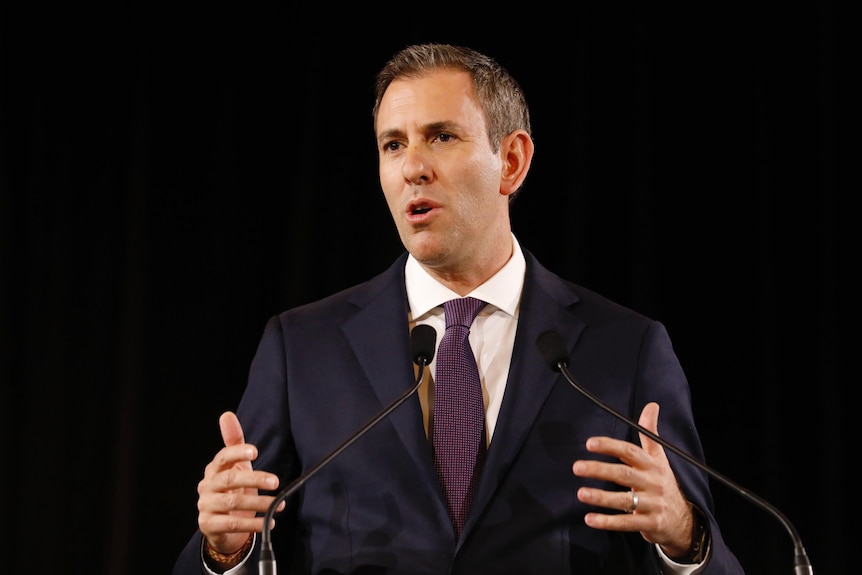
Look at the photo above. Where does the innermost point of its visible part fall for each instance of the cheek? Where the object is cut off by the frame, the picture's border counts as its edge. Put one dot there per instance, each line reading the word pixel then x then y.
pixel 390 184
pixel 483 179
pixel 489 171
pixel 390 167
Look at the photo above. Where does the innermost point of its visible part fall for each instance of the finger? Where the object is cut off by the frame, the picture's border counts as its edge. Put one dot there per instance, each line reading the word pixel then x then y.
pixel 237 456
pixel 621 474
pixel 235 451
pixel 240 478
pixel 615 522
pixel 619 501
pixel 649 421
pixel 235 501
pixel 619 448
pixel 231 430
pixel 216 526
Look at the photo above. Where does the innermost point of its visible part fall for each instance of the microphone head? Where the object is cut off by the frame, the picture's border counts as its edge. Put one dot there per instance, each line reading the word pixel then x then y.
pixel 553 349
pixel 423 340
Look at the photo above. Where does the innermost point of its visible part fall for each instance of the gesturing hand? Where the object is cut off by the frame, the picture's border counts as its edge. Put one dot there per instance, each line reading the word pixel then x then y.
pixel 228 499
pixel 661 512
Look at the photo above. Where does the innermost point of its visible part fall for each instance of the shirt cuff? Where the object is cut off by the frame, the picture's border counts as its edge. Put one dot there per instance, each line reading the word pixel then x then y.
pixel 238 569
pixel 671 567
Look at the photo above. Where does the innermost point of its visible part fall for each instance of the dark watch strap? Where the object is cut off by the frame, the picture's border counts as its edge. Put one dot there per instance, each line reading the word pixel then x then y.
pixel 700 538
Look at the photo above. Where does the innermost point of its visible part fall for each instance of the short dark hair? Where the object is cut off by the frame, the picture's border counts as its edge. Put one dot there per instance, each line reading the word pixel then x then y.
pixel 497 92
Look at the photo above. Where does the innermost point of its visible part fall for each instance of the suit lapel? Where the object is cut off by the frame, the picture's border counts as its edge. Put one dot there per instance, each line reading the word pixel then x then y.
pixel 380 338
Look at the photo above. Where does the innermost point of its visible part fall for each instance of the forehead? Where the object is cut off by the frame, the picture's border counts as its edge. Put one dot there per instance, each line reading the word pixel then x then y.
pixel 444 95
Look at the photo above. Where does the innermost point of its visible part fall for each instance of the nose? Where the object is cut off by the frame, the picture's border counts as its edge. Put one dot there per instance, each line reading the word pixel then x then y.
pixel 417 166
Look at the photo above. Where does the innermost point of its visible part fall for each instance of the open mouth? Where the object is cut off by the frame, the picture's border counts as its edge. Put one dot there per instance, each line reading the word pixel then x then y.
pixel 419 211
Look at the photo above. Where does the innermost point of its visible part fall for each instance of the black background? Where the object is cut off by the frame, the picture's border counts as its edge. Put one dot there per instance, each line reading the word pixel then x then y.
pixel 170 178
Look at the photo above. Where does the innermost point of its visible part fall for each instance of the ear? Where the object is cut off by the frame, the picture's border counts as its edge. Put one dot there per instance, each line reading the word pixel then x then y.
pixel 516 151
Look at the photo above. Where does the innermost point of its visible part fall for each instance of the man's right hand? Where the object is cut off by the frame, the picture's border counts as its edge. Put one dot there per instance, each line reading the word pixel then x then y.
pixel 228 499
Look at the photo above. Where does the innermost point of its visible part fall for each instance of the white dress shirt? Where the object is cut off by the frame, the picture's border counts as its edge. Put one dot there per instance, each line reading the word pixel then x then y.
pixel 492 335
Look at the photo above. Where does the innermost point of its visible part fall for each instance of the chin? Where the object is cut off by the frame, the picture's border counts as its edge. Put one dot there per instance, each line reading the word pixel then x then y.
pixel 425 247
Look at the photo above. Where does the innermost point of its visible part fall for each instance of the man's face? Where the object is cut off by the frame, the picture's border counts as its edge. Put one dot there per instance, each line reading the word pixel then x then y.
pixel 437 170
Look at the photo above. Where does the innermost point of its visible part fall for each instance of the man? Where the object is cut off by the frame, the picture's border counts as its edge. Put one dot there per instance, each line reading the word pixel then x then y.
pixel 564 487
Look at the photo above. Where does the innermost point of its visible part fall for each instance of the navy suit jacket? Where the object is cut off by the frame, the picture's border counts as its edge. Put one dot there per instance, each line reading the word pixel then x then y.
pixel 324 369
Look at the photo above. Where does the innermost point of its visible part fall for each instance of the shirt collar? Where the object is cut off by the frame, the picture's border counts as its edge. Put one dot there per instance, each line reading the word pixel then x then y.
pixel 502 290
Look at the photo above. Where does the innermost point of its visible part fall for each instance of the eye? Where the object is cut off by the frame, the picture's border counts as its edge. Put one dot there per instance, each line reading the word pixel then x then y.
pixel 391 146
pixel 445 137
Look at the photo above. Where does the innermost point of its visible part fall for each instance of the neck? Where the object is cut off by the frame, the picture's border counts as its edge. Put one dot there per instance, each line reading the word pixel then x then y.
pixel 468 274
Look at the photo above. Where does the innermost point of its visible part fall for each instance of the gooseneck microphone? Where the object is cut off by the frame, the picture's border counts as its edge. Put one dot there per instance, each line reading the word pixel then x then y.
pixel 423 339
pixel 553 349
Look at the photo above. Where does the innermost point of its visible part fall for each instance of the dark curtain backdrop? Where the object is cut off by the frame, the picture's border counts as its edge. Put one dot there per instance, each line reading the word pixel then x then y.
pixel 173 177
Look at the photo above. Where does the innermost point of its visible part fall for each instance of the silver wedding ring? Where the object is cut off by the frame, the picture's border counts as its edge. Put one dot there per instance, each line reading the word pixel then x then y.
pixel 634 504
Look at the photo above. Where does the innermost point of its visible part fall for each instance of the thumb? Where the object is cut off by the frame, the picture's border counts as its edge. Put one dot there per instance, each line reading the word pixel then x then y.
pixel 649 421
pixel 231 430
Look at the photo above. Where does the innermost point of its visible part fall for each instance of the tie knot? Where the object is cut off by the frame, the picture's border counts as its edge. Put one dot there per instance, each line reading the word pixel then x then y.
pixel 462 311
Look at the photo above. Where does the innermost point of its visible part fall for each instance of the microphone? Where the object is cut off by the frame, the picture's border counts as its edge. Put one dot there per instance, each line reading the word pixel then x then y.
pixel 423 339
pixel 553 349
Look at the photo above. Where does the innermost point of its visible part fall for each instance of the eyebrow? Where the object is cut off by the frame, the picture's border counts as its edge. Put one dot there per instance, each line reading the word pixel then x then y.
pixel 389 135
pixel 441 126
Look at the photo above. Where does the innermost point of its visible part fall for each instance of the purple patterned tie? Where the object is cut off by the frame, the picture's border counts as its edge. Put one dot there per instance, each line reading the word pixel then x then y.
pixel 459 410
